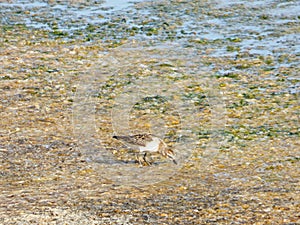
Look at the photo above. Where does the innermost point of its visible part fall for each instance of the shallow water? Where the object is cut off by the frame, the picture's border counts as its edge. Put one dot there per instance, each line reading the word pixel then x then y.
pixel 68 15
pixel 218 80
pixel 262 27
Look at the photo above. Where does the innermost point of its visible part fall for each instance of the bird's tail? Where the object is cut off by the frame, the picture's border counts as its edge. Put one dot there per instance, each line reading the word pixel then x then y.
pixel 120 137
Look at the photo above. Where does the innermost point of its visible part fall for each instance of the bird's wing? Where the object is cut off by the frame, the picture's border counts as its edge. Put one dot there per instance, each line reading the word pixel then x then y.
pixel 141 139
pixel 138 139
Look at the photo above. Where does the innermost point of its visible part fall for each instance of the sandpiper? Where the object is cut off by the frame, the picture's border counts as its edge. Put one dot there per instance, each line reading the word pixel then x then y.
pixel 148 143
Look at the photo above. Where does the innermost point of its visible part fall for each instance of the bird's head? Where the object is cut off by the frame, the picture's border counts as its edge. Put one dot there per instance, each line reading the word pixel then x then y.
pixel 170 153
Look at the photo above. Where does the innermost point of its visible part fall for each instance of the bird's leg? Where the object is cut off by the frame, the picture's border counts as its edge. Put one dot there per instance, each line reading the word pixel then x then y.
pixel 137 156
pixel 145 159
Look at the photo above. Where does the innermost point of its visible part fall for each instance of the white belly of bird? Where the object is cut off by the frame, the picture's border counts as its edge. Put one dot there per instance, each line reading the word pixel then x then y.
pixel 151 146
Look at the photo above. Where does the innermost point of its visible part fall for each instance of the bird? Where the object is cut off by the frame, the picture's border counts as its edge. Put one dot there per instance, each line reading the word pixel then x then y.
pixel 148 143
